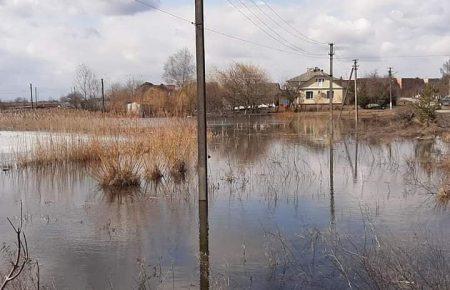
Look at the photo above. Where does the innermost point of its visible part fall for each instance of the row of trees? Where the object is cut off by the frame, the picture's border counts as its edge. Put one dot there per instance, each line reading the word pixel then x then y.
pixel 238 85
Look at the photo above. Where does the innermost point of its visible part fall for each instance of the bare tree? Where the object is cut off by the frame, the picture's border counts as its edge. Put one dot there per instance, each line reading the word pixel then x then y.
pixel 74 99
pixel 444 86
pixel 445 70
pixel 179 68
pixel 86 82
pixel 291 94
pixel 245 85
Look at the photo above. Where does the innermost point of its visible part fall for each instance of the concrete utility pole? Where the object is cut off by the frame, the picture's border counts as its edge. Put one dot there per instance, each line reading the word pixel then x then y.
pixel 355 68
pixel 202 147
pixel 103 97
pixel 201 102
pixel 355 173
pixel 35 96
pixel 31 94
pixel 331 95
pixel 390 88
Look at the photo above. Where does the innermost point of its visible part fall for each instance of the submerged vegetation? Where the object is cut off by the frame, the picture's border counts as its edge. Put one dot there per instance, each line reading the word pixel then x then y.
pixel 378 261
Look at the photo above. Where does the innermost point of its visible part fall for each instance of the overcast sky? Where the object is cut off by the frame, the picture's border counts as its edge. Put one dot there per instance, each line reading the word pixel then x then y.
pixel 43 41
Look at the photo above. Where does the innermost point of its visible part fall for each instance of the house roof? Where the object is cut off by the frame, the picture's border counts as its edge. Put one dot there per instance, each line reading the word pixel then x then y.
pixel 146 86
pixel 310 73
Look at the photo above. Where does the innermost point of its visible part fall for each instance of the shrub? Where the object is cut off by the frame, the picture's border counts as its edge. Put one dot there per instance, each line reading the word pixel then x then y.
pixel 427 105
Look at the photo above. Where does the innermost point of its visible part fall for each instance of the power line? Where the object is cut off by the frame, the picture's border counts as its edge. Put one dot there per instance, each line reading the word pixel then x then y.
pixel 293 27
pixel 165 11
pixel 225 34
pixel 280 39
pixel 251 42
pixel 278 23
pixel 368 58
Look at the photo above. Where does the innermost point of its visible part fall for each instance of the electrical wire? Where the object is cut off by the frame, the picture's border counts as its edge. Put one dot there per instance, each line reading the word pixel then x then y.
pixel 291 51
pixel 269 31
pixel 293 27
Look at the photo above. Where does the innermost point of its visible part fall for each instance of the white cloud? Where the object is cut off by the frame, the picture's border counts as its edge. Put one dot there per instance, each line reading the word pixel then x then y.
pixel 44 41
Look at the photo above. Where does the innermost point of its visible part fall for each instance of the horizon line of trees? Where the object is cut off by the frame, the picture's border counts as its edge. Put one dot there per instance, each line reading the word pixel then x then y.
pixel 239 84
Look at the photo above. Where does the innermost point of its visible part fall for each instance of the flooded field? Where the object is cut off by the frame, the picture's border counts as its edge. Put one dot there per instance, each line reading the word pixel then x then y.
pixel 279 215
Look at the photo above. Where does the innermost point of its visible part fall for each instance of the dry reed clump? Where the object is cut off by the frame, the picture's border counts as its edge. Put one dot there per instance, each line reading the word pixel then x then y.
pixel 118 167
pixel 119 152
pixel 166 151
pixel 171 150
pixel 443 195
pixel 54 150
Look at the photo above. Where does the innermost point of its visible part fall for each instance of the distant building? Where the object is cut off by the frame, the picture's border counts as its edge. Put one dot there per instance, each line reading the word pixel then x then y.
pixel 313 88
pixel 166 88
pixel 134 109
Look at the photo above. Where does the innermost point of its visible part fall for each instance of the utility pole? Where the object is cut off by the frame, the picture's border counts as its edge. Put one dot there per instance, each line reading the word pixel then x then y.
pixel 390 88
pixel 201 102
pixel 103 97
pixel 355 68
pixel 31 94
pixel 331 95
pixel 35 96
pixel 202 147
pixel 355 173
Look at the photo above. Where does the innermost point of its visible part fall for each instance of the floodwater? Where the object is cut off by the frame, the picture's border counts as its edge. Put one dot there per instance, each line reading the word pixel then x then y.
pixel 270 183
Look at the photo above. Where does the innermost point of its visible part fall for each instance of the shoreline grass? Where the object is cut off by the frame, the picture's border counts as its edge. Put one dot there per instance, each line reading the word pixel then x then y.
pixel 120 155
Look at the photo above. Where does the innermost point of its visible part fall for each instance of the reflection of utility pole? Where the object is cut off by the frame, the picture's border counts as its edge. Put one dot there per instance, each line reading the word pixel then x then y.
pixel 31 93
pixel 390 88
pixel 204 245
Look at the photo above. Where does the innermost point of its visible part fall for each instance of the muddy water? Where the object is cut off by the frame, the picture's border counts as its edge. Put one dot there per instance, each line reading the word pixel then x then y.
pixel 268 178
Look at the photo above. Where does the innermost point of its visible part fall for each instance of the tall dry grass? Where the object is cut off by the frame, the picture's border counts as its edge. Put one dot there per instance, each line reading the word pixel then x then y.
pixel 118 154
pixel 71 121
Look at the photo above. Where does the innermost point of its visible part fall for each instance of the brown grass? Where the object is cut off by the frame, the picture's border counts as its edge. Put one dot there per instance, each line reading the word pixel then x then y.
pixel 443 195
pixel 119 154
pixel 72 121
pixel 57 150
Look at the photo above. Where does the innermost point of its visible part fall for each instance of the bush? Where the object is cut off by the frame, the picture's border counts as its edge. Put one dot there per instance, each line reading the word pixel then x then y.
pixel 427 105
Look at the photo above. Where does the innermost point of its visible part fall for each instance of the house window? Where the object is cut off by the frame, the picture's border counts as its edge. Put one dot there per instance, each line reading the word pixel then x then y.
pixel 309 95
pixel 320 82
pixel 328 94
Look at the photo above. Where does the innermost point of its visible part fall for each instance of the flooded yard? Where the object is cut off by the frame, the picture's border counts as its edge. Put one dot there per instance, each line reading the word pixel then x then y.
pixel 276 207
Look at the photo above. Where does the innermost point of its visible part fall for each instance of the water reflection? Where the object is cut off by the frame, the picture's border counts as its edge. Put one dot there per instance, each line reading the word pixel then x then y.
pixel 269 176
pixel 204 244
